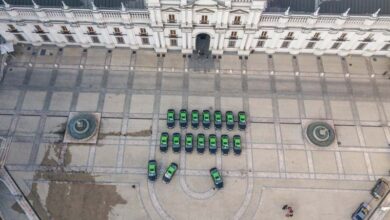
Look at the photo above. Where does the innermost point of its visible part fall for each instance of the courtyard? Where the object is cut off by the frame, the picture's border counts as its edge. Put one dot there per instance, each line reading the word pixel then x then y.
pixel 280 94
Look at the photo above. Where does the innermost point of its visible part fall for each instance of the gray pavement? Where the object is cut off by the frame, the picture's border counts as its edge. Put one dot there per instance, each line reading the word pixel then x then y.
pixel 280 93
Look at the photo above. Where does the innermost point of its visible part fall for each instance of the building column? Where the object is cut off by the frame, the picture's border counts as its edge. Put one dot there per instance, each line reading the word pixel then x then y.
pixel 184 41
pixel 215 42
pixel 189 17
pixel 243 41
pixel 158 16
pixel 249 42
pixel 152 16
pixel 132 40
pixel 162 39
pixel 221 41
pixel 189 40
pixel 156 40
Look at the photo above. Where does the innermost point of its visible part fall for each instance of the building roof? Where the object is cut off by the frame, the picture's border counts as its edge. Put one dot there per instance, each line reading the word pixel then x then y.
pixel 331 6
pixel 105 4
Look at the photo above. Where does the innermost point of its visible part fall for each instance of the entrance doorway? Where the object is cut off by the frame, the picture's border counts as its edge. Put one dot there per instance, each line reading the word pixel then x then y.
pixel 202 44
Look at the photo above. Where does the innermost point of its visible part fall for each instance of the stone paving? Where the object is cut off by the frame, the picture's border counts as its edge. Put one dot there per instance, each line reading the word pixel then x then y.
pixel 280 93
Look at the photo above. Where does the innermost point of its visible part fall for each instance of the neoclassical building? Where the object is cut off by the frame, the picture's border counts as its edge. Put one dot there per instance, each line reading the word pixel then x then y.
pixel 243 27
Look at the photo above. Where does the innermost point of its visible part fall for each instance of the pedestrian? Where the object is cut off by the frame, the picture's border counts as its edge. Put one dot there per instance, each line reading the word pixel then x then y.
pixel 285 207
pixel 290 210
pixel 291 215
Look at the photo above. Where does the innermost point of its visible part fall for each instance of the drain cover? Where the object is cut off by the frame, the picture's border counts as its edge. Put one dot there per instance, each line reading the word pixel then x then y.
pixel 320 134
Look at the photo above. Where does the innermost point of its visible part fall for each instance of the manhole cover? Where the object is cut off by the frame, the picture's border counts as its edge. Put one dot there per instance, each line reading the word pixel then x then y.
pixel 82 126
pixel 320 134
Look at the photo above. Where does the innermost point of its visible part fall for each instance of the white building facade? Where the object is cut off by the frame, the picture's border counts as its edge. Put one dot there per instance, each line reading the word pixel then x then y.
pixel 235 26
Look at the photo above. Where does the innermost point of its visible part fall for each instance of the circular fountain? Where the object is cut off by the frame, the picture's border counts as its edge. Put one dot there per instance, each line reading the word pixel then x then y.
pixel 320 134
pixel 82 126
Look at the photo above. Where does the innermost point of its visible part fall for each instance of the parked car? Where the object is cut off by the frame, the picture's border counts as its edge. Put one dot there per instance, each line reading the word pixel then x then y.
pixel 171 118
pixel 241 120
pixel 195 119
pixel 225 144
pixel 206 119
pixel 170 172
pixel 237 144
pixel 183 118
pixel 164 140
pixel 216 177
pixel 380 189
pixel 218 119
pixel 200 143
pixel 189 143
pixel 152 170
pixel 362 212
pixel 176 142
pixel 229 120
pixel 212 143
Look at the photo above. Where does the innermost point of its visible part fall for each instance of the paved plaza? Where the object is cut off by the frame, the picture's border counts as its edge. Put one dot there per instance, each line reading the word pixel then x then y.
pixel 280 93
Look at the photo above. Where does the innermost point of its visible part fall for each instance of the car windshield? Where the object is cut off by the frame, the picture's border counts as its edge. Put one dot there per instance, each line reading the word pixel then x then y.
pixel 216 175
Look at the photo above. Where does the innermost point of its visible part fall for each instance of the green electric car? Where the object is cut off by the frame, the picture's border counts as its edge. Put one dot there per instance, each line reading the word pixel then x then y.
pixel 241 120
pixel 218 119
pixel 195 119
pixel 171 118
pixel 189 143
pixel 229 120
pixel 206 119
pixel 237 144
pixel 212 143
pixel 152 170
pixel 176 142
pixel 183 118
pixel 170 172
pixel 164 140
pixel 225 144
pixel 200 143
pixel 216 177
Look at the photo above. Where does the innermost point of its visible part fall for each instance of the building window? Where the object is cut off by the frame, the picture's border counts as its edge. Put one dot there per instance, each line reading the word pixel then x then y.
pixel 38 29
pixel 172 33
pixel 369 38
pixel 95 39
pixel 117 31
pixel 343 37
pixel 232 43
pixel 285 44
pixel 386 47
pixel 171 18
pixel 173 42
pixel 237 20
pixel 70 38
pixel 91 31
pixel 120 40
pixel 20 37
pixel 44 37
pixel 12 28
pixel 64 30
pixel 142 32
pixel 290 36
pixel 361 46
pixel 204 19
pixel 145 41
pixel 233 35
pixel 310 45
pixel 335 46
pixel 264 35
pixel 260 44
pixel 316 37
